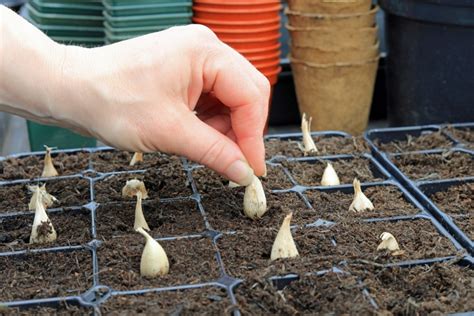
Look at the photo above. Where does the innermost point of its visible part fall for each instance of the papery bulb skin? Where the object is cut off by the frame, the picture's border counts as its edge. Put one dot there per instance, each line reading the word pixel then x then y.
pixel 136 158
pixel 388 242
pixel 255 202
pixel 154 261
pixel 48 169
pixel 284 246
pixel 360 203
pixel 330 177
pixel 309 146
pixel 42 230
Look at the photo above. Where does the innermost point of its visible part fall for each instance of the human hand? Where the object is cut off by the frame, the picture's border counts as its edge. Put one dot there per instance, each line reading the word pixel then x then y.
pixel 141 94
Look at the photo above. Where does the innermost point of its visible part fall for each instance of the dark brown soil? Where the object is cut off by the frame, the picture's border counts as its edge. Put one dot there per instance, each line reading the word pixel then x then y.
pixel 62 309
pixel 224 210
pixel 328 294
pixel 387 200
pixel 466 224
pixel 310 173
pixel 202 301
pixel 191 261
pixel 436 166
pixel 72 228
pixel 159 183
pixel 32 166
pixel 208 181
pixel 457 199
pixel 41 275
pixel 164 219
pixel 432 140
pixel 333 145
pixel 320 247
pixel 439 289
pixel 112 161
pixel 69 192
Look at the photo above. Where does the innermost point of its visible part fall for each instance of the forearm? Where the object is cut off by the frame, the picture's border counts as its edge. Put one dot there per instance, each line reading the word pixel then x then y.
pixel 30 68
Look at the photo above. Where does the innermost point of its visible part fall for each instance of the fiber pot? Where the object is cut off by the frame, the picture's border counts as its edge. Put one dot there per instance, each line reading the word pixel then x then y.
pixel 301 19
pixel 337 96
pixel 317 55
pixel 330 7
pixel 430 61
pixel 333 38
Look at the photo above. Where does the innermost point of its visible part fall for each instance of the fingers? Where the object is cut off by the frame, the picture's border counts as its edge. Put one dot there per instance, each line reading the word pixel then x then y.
pixel 242 88
pixel 204 144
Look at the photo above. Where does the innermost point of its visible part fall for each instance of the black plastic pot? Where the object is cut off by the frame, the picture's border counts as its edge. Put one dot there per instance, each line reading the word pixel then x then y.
pixel 430 61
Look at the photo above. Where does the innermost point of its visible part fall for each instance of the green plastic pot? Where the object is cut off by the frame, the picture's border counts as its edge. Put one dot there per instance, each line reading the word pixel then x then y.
pixel 40 135
pixel 70 31
pixel 147 9
pixel 79 41
pixel 94 9
pixel 149 20
pixel 133 31
pixel 139 2
pixel 63 19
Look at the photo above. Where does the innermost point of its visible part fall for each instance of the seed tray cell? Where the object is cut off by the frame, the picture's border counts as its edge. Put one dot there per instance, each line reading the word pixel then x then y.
pixel 199 222
pixel 462 133
pixel 192 261
pixel 308 171
pixel 72 226
pixel 70 191
pixel 330 293
pixel 68 306
pixel 389 200
pixel 328 143
pixel 57 274
pixel 160 183
pixel 202 300
pixel 452 203
pixel 175 218
pixel 223 210
pixel 208 181
pixel 23 166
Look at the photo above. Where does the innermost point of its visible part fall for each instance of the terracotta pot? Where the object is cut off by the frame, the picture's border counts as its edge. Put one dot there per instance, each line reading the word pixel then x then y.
pixel 330 7
pixel 230 33
pixel 238 24
pixel 251 42
pixel 272 75
pixel 257 55
pixel 320 56
pixel 328 38
pixel 264 57
pixel 260 49
pixel 268 66
pixel 237 15
pixel 235 2
pixel 236 5
pixel 300 19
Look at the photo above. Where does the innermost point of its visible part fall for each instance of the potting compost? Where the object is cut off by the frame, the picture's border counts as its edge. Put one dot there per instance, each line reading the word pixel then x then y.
pixel 219 259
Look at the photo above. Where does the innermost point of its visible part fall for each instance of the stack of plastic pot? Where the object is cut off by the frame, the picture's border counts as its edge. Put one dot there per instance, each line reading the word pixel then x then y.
pixel 252 27
pixel 334 59
pixel 125 19
pixel 71 22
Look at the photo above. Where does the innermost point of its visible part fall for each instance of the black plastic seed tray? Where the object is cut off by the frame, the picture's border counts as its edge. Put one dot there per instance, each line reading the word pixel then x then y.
pixel 83 275
pixel 458 145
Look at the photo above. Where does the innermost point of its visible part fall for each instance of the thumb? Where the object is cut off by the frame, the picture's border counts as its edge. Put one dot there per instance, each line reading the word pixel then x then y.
pixel 202 143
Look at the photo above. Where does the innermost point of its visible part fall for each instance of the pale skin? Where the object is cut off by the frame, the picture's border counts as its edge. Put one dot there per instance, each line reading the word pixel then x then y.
pixel 140 94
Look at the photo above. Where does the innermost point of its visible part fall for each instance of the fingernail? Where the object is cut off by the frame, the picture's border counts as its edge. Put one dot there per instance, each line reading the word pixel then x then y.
pixel 240 172
pixel 265 172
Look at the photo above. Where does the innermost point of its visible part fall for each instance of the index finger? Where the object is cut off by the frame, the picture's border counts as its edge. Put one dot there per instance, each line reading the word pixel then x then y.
pixel 242 88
